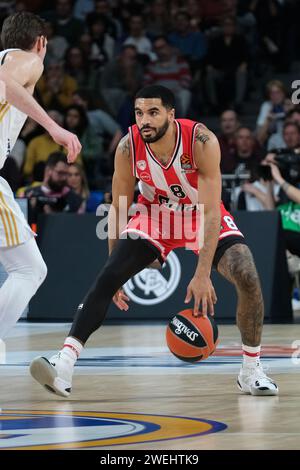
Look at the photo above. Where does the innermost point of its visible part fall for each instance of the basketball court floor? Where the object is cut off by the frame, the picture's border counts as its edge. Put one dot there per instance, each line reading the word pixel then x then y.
pixel 130 393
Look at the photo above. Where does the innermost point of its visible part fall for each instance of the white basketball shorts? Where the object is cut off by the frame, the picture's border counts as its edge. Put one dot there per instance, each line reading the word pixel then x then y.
pixel 14 229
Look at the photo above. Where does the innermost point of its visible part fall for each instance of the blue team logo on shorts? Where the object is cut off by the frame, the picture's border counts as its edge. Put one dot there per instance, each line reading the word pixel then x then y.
pixel 45 430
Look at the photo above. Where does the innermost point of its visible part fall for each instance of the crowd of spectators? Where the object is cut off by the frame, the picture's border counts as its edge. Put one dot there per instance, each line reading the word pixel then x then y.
pixel 209 52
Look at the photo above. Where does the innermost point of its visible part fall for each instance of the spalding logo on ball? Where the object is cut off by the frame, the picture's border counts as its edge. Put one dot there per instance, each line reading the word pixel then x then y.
pixel 191 338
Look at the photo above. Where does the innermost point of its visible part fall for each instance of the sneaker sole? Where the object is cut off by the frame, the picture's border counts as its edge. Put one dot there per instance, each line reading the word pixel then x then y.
pixel 257 393
pixel 45 374
pixel 264 393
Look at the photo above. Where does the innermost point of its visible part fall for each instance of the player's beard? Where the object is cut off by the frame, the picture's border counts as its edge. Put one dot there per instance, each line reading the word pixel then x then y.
pixel 159 132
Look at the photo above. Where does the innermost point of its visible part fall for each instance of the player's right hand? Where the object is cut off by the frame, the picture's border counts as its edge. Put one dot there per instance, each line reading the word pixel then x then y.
pixel 204 294
pixel 68 140
pixel 121 299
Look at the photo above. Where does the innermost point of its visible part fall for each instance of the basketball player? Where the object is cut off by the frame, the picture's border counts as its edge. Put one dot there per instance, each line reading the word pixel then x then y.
pixel 177 162
pixel 21 65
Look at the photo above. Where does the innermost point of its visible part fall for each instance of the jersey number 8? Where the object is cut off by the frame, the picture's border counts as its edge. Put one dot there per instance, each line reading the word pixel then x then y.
pixel 177 191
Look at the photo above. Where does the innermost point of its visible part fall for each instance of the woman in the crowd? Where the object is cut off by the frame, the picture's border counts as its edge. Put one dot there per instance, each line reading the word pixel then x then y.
pixel 272 113
pixel 77 181
pixel 77 66
pixel 76 121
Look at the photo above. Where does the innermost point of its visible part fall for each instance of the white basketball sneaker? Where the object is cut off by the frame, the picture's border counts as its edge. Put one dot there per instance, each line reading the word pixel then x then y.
pixel 254 381
pixel 54 374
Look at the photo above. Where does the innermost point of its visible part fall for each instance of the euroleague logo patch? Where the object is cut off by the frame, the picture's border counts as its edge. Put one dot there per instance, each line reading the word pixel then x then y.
pixel 49 430
pixel 186 163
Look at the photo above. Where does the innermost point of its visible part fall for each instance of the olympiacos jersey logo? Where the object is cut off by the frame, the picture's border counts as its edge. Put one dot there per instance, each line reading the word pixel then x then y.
pixel 145 176
pixel 141 164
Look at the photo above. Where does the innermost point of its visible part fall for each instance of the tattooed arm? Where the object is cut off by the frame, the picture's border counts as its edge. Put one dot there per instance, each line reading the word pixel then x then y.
pixel 207 159
pixel 123 184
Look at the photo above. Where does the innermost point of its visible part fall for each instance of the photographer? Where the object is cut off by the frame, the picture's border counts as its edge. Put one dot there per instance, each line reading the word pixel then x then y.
pixel 258 193
pixel 253 195
pixel 291 192
pixel 268 185
pixel 53 195
pixel 285 170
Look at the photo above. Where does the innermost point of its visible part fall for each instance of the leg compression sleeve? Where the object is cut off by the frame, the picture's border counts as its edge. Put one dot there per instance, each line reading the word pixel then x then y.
pixel 127 259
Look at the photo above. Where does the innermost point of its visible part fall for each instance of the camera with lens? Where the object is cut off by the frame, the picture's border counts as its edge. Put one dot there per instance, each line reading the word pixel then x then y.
pixel 38 201
pixel 288 162
pixel 57 204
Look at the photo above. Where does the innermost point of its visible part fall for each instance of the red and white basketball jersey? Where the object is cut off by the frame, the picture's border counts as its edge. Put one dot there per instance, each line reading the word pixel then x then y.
pixel 174 182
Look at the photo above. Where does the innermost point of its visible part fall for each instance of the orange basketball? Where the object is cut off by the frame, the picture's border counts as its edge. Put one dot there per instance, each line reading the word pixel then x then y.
pixel 190 338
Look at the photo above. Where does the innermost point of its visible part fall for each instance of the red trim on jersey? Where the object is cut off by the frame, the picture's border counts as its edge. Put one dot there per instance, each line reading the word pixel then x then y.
pixel 192 143
pixel 142 169
pixel 175 150
pixel 133 155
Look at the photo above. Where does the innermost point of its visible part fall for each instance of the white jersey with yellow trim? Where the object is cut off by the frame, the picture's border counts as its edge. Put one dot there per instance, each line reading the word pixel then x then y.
pixel 14 229
pixel 11 120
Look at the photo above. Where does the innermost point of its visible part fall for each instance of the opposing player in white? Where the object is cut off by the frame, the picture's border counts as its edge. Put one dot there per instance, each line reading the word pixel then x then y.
pixel 21 65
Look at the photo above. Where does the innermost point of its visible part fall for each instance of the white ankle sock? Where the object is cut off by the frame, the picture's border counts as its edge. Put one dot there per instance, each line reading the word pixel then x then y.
pixel 71 349
pixel 251 355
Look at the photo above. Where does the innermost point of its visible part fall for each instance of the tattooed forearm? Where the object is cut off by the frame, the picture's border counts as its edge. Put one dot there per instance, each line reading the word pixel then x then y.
pixel 124 146
pixel 237 266
pixel 211 235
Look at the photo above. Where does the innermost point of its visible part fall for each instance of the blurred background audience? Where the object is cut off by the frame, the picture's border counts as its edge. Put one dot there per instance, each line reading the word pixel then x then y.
pixel 230 63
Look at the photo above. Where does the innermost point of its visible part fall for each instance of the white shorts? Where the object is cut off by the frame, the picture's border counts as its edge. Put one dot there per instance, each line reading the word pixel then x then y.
pixel 14 229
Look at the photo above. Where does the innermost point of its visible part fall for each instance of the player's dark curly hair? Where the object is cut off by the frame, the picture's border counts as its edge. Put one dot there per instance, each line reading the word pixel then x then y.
pixel 21 30
pixel 158 91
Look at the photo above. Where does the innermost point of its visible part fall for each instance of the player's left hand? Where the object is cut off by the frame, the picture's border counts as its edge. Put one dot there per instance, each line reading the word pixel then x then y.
pixel 202 290
pixel 121 299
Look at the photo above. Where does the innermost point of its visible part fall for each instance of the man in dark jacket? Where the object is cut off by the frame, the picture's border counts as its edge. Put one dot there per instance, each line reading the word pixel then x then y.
pixel 53 195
